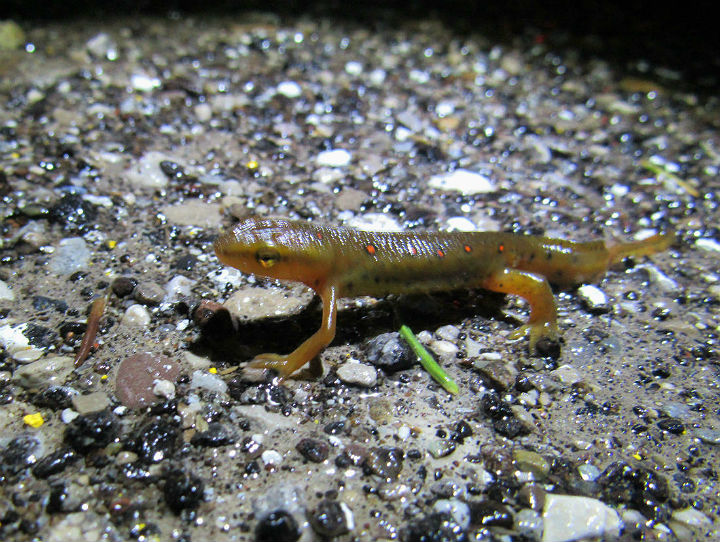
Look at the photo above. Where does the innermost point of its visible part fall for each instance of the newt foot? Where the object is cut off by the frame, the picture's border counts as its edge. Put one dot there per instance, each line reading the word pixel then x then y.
pixel 544 337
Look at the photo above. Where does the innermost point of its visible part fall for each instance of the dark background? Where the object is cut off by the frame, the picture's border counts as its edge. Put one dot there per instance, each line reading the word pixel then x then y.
pixel 681 36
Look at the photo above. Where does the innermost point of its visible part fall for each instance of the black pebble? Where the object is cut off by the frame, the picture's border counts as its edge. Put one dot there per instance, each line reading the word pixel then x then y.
pixel 328 519
pixel 40 336
pixel 73 213
pixel 123 286
pixel 42 303
pixel 91 431
pixel 490 514
pixel 313 450
pixel 389 353
pixel 278 526
pixel 55 397
pixel 183 491
pixel 216 435
pixel 18 454
pixel 671 425
pixel 155 441
pixel 437 527
pixel 54 463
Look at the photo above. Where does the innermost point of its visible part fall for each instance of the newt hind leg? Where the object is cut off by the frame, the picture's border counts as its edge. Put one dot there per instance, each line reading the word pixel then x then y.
pixel 287 364
pixel 542 324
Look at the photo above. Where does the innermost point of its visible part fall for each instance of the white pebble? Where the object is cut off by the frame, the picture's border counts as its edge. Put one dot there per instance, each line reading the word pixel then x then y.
pixel 271 457
pixel 289 89
pixel 374 222
pixel 708 244
pixel 593 295
pixel 68 415
pixel 460 223
pixel 443 109
pixel 143 82
pixel 203 112
pixel 569 518
pixel 459 510
pixel 178 287
pixel 146 171
pixel 207 381
pixel 136 316
pixel 358 374
pixel 353 67
pixel 449 332
pixel 692 517
pixel 377 76
pixel 12 338
pixel 71 254
pixel 334 158
pixel 6 293
pixel 462 180
pixel 164 388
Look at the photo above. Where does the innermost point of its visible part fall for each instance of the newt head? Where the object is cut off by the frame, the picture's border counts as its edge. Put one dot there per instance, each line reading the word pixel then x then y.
pixel 274 248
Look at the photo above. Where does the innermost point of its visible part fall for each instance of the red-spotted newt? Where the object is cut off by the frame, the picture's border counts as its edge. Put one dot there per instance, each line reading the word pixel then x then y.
pixel 342 262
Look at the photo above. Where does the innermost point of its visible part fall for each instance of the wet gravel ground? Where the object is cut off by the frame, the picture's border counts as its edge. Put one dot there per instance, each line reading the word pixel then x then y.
pixel 126 146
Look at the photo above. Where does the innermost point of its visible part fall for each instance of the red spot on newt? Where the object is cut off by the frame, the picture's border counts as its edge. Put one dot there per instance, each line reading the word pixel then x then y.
pixel 370 250
pixel 501 248
pixel 440 253
pixel 467 249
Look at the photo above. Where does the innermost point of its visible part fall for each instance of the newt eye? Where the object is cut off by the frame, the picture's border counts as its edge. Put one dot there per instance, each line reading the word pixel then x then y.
pixel 267 257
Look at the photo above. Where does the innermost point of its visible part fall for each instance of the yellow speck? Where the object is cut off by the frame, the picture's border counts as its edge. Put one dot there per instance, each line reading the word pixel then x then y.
pixel 252 164
pixel 34 420
pixel 111 243
pixel 212 370
pixel 104 377
pixel 639 457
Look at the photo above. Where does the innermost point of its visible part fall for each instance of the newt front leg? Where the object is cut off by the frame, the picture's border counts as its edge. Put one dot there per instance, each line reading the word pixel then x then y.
pixel 542 323
pixel 286 364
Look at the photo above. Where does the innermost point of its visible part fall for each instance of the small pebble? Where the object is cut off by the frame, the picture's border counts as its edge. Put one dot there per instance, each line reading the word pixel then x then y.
pixel 357 374
pixel 177 288
pixel 313 450
pixel 208 381
pixel 528 461
pixel 289 89
pixel 463 181
pixel 593 298
pixel 436 527
pixel 458 509
pixel 214 436
pixel 149 293
pixel 569 518
pixel 389 353
pixel 271 457
pixel 183 491
pixel 441 447
pixel 136 316
pixel 155 441
pixel 277 526
pixel 72 254
pixel 692 517
pixel 6 293
pixel 334 158
pixel 90 402
pixel 92 431
pixel 123 286
pixel 164 388
pixel 331 518
pixel 567 375
pixel 44 373
pixel 385 462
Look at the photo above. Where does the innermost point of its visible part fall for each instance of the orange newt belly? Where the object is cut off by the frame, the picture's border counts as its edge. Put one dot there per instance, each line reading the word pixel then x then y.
pixel 342 262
